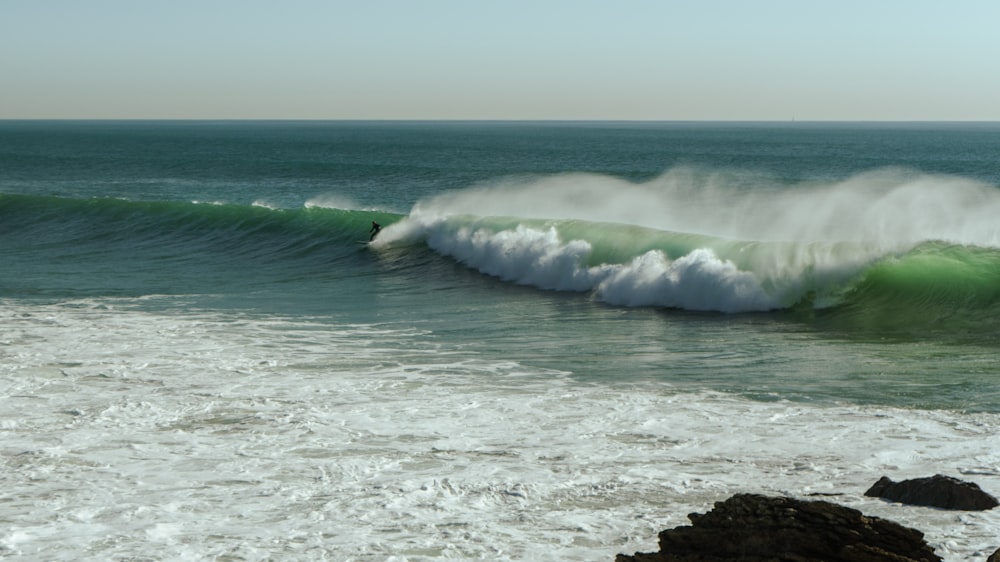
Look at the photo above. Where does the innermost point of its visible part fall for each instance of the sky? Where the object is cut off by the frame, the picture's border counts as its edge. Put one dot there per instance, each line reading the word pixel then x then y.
pixel 760 60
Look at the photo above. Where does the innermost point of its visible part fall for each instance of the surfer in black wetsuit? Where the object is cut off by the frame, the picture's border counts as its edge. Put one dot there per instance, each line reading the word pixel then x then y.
pixel 376 227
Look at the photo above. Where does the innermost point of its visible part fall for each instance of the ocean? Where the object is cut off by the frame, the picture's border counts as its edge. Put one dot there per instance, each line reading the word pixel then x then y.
pixel 566 337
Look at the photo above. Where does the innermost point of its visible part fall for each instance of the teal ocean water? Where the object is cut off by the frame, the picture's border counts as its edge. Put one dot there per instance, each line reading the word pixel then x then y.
pixel 566 336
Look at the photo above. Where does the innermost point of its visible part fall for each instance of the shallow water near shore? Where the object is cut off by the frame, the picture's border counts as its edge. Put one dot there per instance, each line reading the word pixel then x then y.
pixel 564 340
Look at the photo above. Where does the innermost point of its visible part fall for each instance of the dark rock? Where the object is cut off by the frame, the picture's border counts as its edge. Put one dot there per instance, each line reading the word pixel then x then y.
pixel 995 557
pixel 754 528
pixel 940 491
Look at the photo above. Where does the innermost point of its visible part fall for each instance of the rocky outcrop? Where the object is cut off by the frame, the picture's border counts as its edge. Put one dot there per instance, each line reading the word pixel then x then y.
pixel 940 491
pixel 755 528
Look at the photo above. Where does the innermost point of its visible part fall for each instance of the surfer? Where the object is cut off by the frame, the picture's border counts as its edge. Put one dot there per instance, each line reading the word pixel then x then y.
pixel 376 227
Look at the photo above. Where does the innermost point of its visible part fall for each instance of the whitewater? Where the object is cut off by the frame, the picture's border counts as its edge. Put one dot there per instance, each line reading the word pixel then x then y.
pixel 195 436
pixel 565 338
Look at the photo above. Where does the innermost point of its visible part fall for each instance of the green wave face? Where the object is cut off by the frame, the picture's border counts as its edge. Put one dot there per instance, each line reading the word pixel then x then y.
pixel 934 286
pixel 106 220
pixel 56 247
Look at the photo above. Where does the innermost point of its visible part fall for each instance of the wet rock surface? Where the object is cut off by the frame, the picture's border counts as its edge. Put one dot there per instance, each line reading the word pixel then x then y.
pixel 750 527
pixel 938 491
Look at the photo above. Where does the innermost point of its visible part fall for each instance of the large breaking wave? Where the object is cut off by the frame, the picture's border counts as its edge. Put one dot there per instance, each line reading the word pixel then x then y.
pixel 726 242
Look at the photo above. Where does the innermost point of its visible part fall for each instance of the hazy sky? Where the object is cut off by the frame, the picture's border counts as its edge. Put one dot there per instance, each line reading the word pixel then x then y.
pixel 501 59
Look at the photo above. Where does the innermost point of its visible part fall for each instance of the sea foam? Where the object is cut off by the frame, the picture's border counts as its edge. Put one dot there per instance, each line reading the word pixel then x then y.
pixel 207 435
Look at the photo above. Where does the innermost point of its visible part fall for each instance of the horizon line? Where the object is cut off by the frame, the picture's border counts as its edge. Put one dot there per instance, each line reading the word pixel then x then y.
pixel 488 120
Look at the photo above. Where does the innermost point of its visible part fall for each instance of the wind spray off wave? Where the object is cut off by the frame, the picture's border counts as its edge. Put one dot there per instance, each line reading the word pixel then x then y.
pixel 705 241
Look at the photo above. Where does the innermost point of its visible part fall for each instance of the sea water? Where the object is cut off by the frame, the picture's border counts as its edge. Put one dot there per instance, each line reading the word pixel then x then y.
pixel 566 337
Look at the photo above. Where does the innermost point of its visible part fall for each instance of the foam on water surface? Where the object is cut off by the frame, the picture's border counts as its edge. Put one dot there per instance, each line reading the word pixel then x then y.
pixel 191 435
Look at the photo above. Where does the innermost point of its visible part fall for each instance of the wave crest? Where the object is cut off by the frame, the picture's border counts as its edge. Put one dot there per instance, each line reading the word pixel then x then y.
pixel 539 257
